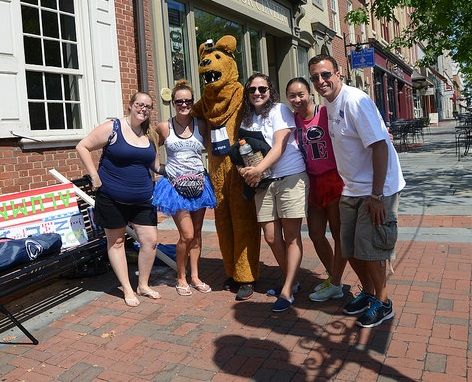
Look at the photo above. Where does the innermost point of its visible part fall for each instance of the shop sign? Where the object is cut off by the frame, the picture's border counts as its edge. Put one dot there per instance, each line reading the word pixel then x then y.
pixel 363 58
pixel 269 8
pixel 395 70
pixel 43 210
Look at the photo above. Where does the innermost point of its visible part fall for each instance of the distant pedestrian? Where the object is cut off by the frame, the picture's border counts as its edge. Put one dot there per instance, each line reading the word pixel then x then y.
pixel 325 185
pixel 124 189
pixel 185 192
pixel 370 169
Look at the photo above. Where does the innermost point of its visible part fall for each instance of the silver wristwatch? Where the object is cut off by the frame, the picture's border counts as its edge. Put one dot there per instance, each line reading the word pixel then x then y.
pixel 377 197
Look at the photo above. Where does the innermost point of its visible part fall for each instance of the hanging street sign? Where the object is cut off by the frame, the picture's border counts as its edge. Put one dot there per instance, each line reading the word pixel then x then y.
pixel 363 58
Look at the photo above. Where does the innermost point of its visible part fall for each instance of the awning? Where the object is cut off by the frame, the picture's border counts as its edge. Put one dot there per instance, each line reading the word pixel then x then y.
pixel 420 81
pixel 416 76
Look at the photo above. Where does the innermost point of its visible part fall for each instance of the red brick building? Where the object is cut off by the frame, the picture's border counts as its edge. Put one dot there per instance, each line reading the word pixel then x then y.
pixel 64 70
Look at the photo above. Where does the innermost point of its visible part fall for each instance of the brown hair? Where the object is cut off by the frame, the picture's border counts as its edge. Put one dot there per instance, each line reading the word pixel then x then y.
pixel 248 107
pixel 323 57
pixel 145 126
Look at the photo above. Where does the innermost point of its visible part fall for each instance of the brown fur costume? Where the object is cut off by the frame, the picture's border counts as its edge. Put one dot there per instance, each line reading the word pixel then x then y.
pixel 235 218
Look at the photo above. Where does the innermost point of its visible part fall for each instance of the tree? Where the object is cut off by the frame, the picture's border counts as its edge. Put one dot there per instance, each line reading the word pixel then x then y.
pixel 442 25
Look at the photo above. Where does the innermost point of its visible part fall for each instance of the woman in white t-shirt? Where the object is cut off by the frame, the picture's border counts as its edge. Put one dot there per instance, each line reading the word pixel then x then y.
pixel 282 205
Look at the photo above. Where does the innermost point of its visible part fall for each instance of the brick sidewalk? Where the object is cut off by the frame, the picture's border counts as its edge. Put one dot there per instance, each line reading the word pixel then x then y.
pixel 212 337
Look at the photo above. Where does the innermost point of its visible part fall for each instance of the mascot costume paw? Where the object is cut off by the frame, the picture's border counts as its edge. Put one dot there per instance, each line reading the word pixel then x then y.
pixel 221 105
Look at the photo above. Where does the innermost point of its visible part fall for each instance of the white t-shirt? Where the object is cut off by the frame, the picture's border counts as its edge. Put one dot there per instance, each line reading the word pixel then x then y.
pixel 280 117
pixel 354 124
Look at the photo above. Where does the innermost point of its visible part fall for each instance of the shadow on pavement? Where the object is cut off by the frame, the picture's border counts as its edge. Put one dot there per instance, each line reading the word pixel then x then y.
pixel 331 345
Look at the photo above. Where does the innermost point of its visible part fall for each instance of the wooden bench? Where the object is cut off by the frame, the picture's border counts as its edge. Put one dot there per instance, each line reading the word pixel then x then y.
pixel 69 260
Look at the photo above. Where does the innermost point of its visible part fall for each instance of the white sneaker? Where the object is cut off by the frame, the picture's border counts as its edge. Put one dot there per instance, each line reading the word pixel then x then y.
pixel 323 284
pixel 331 291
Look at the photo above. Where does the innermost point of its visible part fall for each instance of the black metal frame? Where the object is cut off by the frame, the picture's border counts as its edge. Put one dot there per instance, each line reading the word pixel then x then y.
pixel 24 275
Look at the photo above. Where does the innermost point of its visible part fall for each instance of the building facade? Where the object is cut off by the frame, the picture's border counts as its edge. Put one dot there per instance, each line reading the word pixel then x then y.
pixel 65 66
pixel 68 65
pixel 267 33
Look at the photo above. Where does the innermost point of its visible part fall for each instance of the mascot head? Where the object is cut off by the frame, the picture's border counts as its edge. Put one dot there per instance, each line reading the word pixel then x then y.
pixel 217 64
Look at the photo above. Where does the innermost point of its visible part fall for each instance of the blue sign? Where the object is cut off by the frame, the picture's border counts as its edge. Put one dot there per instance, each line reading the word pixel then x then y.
pixel 362 59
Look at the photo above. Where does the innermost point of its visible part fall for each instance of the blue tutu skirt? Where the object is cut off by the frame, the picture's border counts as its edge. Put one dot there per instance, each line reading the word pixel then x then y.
pixel 169 201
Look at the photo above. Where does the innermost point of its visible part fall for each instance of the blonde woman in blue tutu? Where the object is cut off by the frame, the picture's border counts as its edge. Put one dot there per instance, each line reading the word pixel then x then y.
pixel 185 191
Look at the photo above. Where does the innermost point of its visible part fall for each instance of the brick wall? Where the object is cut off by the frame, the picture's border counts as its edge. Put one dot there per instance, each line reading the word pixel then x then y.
pixel 22 170
pixel 339 52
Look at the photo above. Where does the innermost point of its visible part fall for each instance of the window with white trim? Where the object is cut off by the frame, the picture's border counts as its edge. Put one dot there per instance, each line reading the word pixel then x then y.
pixel 51 64
pixel 59 69
pixel 352 32
pixel 335 15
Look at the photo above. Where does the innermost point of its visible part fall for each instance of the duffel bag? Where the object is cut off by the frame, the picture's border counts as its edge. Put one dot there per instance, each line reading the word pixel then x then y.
pixel 16 251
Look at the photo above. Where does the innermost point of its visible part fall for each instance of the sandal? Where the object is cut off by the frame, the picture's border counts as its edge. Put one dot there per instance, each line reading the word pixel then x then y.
pixel 201 287
pixel 154 294
pixel 183 290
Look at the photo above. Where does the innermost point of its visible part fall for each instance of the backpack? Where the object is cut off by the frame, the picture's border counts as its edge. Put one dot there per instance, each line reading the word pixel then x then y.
pixel 17 251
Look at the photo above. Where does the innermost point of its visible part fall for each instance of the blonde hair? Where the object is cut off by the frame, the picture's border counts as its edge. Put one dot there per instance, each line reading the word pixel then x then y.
pixel 181 85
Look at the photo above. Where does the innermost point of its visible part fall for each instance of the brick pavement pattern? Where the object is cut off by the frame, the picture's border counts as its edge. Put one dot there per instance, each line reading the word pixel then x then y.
pixel 211 337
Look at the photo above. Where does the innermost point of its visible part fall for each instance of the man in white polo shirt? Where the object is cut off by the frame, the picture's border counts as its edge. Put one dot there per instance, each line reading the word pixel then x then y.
pixel 370 168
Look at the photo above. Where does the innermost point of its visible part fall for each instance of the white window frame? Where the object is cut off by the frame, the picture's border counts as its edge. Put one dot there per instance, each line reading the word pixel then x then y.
pixel 334 6
pixel 98 74
pixel 352 31
pixel 78 73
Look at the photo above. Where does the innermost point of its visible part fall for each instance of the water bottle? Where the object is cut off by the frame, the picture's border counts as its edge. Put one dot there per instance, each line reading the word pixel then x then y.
pixel 251 158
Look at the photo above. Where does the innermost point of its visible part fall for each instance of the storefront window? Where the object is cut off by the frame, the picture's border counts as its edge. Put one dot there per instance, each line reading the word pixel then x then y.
pixel 178 46
pixel 379 92
pixel 255 50
pixel 392 101
pixel 209 26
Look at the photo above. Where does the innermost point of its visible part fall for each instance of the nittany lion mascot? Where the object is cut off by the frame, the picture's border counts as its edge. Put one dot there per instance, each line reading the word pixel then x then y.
pixel 235 217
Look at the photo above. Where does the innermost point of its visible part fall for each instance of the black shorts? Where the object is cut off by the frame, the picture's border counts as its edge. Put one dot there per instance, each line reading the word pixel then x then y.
pixel 112 214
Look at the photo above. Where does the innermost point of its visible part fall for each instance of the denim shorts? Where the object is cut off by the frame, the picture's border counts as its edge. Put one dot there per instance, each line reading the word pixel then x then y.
pixel 359 237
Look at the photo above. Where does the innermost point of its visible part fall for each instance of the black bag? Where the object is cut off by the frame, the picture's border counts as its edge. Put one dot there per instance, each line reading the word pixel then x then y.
pixel 16 251
pixel 189 185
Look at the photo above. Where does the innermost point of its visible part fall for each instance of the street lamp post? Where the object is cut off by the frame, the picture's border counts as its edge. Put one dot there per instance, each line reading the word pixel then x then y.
pixel 358 48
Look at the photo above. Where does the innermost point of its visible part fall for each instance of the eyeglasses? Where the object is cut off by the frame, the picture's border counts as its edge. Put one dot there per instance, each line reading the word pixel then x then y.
pixel 141 105
pixel 324 75
pixel 261 89
pixel 181 102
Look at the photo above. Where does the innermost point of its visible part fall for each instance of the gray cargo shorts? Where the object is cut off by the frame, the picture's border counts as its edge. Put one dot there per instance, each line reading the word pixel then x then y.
pixel 360 238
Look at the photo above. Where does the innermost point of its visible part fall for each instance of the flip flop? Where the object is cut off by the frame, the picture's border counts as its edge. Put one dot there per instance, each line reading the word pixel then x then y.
pixel 154 294
pixel 202 287
pixel 183 290
pixel 132 301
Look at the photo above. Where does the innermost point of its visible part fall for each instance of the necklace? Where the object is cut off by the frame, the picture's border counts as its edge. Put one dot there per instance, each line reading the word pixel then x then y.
pixel 182 126
pixel 139 133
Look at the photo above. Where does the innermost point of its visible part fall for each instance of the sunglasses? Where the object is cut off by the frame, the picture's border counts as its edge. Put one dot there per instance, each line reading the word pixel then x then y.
pixel 181 102
pixel 324 75
pixel 141 105
pixel 261 89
